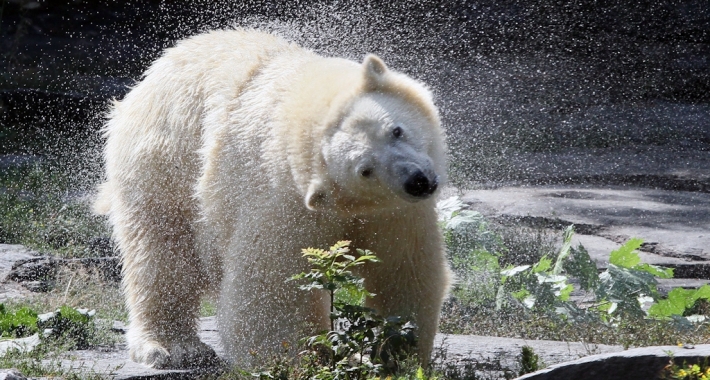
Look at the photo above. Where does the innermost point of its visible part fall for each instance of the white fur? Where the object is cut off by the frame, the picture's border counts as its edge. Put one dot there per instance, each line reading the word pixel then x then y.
pixel 238 149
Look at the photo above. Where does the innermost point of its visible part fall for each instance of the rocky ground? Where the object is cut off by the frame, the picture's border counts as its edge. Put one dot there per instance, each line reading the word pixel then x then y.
pixel 611 196
pixel 592 114
pixel 674 222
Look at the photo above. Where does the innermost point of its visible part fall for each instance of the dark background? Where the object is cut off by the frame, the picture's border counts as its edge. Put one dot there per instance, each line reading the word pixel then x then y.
pixel 512 78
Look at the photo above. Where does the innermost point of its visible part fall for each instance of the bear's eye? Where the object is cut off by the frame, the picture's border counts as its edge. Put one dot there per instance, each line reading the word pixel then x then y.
pixel 397 132
pixel 366 172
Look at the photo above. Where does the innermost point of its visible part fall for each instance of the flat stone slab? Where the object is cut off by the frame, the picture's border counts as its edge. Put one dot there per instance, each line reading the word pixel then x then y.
pixel 463 351
pixel 114 363
pixel 10 254
pixel 487 353
pixel 635 364
pixel 675 225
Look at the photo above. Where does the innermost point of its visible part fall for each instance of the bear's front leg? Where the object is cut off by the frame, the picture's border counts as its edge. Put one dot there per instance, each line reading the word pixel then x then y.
pixel 261 313
pixel 413 278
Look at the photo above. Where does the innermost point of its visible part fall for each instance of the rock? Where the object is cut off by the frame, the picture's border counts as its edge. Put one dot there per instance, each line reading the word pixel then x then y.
pixel 11 374
pixel 115 364
pixel 34 269
pixel 636 364
pixel 38 286
pixel 466 353
pixel 38 272
pixel 487 357
pixel 23 344
pixel 110 267
pixel 10 254
pixel 452 353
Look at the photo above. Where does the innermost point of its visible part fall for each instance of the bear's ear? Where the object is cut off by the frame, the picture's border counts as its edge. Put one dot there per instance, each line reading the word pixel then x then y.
pixel 375 69
pixel 316 197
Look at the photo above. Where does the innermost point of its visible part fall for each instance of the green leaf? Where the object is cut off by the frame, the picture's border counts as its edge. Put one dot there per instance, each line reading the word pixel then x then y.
pixel 543 265
pixel 371 258
pixel 462 218
pixel 624 286
pixel 529 301
pixel 520 294
pixel 678 301
pixel 609 307
pixel 565 250
pixel 702 292
pixel 580 266
pixel 446 207
pixel 675 304
pixel 513 271
pixel 626 256
pixel 21 322
pixel 73 315
pixel 654 270
pixel 480 260
pixel 565 292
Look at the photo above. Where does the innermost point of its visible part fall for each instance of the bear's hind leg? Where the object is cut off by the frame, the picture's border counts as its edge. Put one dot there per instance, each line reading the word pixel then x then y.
pixel 163 282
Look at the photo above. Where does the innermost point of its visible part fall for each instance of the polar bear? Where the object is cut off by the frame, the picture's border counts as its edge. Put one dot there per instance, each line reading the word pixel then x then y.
pixel 238 149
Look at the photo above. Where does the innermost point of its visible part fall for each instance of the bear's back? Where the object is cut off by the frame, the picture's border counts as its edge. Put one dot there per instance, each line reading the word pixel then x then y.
pixel 158 126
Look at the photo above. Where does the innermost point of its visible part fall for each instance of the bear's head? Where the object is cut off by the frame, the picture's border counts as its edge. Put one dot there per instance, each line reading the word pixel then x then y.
pixel 385 148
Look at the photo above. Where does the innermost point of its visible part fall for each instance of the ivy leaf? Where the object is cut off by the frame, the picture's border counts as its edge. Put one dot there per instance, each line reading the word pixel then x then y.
pixel 482 260
pixel 623 286
pixel 520 294
pixel 678 301
pixel 564 293
pixel 565 250
pixel 513 271
pixel 446 207
pixel 655 270
pixel 703 292
pixel 626 256
pixel 543 265
pixel 529 301
pixel 675 304
pixel 464 217
pixel 579 265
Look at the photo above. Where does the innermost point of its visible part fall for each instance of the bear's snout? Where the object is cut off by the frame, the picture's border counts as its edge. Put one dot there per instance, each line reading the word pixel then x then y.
pixel 419 185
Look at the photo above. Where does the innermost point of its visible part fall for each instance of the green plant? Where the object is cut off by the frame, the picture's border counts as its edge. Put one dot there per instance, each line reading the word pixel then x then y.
pixel 678 302
pixel 617 291
pixel 362 344
pixel 17 324
pixel 75 326
pixel 58 332
pixel 533 300
pixel 687 371
pixel 530 361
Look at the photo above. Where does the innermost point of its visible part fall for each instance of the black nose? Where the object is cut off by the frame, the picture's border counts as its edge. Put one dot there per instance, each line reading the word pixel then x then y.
pixel 419 185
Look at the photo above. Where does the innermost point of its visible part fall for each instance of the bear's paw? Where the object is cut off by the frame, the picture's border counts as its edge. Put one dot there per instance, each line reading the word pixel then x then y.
pixel 193 354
